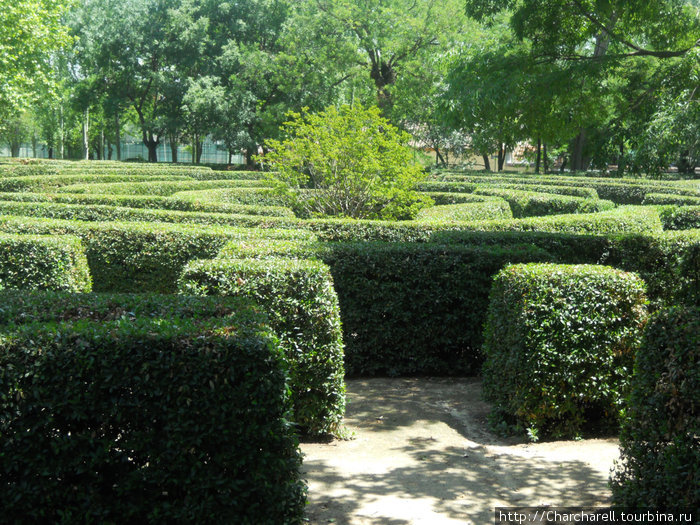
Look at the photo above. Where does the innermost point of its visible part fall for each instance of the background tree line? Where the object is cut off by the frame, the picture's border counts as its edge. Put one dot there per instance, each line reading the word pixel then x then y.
pixel 590 82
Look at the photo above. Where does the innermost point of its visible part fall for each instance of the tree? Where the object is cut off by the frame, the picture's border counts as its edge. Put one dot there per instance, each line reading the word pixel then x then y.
pixel 140 52
pixel 593 39
pixel 485 95
pixel 346 162
pixel 381 39
pixel 30 31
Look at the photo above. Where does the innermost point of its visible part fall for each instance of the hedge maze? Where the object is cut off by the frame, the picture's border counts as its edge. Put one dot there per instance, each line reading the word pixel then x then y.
pixel 145 305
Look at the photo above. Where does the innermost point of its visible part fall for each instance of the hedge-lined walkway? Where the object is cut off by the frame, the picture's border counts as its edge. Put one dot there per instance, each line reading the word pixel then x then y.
pixel 423 454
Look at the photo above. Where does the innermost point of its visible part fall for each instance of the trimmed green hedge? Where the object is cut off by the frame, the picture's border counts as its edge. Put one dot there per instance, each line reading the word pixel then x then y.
pixel 270 248
pixel 54 182
pixel 533 204
pixel 445 197
pixel 163 188
pixel 680 217
pixel 250 196
pixel 660 438
pixel 559 342
pixel 669 262
pixel 413 308
pixel 627 219
pixel 36 262
pixel 147 420
pixel 668 198
pixel 99 167
pixel 470 211
pixel 94 212
pixel 573 191
pixel 142 257
pixel 19 307
pixel 303 310
pixel 149 201
pixel 470 184
pixel 620 191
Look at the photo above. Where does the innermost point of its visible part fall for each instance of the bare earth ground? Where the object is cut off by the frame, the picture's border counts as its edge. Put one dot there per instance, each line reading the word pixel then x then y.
pixel 423 454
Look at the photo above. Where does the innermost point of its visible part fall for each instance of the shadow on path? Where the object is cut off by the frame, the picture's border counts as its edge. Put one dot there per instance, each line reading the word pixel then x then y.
pixel 423 455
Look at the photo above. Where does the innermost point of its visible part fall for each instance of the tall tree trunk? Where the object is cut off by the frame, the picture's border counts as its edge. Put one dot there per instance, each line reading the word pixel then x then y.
pixel 110 150
pixel 501 157
pixel 546 159
pixel 563 165
pixel 102 144
pixel 200 149
pixel 539 155
pixel 33 144
pixel 152 146
pixel 249 158
pixel 438 156
pixel 577 163
pixel 50 152
pixel 14 148
pixel 117 127
pixel 174 145
pixel 86 141
pixel 230 157
pixel 61 128
pixel 602 41
pixel 487 163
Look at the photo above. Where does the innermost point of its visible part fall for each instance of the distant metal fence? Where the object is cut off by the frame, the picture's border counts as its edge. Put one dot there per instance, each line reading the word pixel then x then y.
pixel 212 153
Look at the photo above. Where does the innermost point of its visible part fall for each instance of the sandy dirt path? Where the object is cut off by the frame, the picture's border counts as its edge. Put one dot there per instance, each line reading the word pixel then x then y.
pixel 422 454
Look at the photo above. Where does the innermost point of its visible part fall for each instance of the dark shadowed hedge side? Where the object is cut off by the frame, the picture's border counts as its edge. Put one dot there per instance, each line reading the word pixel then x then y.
pixel 146 420
pixel 415 308
pixel 660 439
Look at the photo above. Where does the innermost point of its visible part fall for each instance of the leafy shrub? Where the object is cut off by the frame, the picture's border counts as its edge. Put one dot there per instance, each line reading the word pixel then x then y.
pixel 660 451
pixel 559 343
pixel 141 257
pixel 147 420
pixel 358 164
pixel 35 262
pixel 470 211
pixel 302 307
pixel 391 295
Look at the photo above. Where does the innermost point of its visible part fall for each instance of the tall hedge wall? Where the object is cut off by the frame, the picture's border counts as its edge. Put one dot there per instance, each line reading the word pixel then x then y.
pixel 147 420
pixel 302 308
pixel 415 308
pixel 660 438
pixel 560 343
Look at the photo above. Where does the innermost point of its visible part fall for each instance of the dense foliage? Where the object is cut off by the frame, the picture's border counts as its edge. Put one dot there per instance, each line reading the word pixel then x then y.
pixel 660 462
pixel 560 343
pixel 302 308
pixel 145 418
pixel 347 162
pixel 43 263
